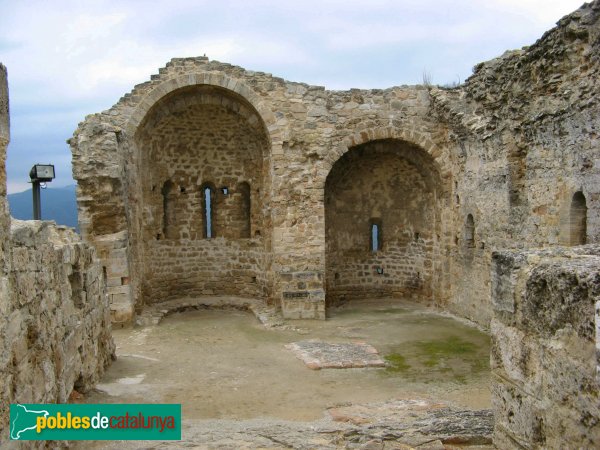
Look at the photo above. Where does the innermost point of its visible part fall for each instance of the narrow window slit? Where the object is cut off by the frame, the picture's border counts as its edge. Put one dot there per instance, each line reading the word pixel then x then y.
pixel 375 235
pixel 578 219
pixel 208 225
pixel 470 231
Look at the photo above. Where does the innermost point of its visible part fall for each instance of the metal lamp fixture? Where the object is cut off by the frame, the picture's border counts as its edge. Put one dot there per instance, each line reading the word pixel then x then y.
pixel 40 173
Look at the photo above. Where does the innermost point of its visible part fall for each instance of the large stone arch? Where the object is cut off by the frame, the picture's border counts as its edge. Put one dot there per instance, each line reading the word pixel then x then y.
pixel 409 262
pixel 220 80
pixel 190 131
pixel 438 154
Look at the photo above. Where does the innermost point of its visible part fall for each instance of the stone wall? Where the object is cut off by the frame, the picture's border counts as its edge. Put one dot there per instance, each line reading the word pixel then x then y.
pixel 56 321
pixel 54 315
pixel 525 127
pixel 5 252
pixel 514 153
pixel 546 348
pixel 307 130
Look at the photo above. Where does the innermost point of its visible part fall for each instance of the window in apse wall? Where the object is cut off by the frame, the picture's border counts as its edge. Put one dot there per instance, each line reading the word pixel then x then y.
pixel 375 235
pixel 207 194
pixel 470 232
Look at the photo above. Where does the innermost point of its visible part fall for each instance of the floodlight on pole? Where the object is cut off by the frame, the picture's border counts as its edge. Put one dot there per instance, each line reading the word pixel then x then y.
pixel 40 173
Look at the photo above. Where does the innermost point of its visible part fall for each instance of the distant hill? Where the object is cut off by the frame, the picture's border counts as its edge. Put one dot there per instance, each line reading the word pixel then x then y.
pixel 58 204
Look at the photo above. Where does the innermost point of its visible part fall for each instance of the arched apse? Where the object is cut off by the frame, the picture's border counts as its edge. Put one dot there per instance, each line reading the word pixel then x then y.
pixel 382 222
pixel 203 139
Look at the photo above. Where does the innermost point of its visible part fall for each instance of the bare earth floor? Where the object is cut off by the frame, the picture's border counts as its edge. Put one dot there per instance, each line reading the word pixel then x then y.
pixel 232 374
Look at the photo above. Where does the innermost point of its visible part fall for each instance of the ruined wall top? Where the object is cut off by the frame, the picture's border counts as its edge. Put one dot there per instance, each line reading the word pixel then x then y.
pixel 535 84
pixel 559 66
pixel 562 55
pixel 181 72
pixel 4 120
pixel 266 93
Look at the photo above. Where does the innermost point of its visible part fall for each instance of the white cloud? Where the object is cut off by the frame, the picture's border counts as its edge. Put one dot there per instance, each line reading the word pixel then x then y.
pixel 83 32
pixel 67 56
pixel 455 22
pixel 543 12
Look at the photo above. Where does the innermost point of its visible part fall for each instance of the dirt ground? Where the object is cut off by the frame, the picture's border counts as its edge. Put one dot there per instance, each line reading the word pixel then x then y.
pixel 223 364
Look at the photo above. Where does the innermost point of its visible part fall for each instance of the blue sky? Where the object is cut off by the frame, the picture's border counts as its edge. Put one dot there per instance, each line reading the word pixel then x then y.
pixel 67 59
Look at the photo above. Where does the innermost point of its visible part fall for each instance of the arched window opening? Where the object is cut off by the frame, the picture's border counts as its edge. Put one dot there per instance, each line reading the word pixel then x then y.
pixel 375 235
pixel 470 232
pixel 578 219
pixel 246 211
pixel 208 211
pixel 168 209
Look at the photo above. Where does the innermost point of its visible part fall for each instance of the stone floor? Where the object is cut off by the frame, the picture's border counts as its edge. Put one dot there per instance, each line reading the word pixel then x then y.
pixel 240 387
pixel 324 355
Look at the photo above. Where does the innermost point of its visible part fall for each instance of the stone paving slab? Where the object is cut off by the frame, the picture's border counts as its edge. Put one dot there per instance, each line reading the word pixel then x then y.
pixel 323 355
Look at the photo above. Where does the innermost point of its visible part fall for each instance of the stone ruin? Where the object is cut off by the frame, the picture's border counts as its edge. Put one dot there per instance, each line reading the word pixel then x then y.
pixel 55 333
pixel 212 181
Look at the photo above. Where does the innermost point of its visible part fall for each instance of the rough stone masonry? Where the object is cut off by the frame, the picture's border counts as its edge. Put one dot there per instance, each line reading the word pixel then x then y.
pixel 212 180
pixel 55 330
pixel 546 348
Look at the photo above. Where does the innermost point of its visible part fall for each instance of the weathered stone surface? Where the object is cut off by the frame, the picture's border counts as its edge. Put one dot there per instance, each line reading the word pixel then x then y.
pixel 111 249
pixel 545 352
pixel 399 424
pixel 4 215
pixel 396 188
pixel 56 327
pixel 323 355
pixel 509 160
pixel 4 113
pixel 154 314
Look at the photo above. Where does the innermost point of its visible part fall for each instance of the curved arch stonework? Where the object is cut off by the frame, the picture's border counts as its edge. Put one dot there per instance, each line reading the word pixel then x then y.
pixel 236 86
pixel 511 152
pixel 417 138
pixel 395 184
pixel 200 131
